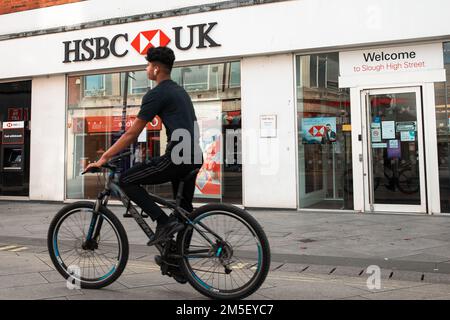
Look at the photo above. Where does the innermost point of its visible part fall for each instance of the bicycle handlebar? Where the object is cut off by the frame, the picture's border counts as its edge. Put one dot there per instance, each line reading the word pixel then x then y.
pixel 108 164
pixel 118 157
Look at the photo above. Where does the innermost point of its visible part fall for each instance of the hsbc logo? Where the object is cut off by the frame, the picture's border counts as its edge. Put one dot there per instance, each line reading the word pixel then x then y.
pixel 317 131
pixel 148 39
pixel 102 47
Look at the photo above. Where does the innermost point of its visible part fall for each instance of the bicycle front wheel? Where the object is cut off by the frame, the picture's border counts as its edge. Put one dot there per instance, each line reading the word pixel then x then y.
pixel 228 257
pixel 91 263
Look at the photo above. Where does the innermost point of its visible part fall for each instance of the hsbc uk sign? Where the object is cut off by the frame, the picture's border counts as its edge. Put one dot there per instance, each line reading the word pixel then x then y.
pixel 101 47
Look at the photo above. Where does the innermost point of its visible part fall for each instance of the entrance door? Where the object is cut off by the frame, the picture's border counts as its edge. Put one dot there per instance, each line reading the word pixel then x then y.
pixel 394 174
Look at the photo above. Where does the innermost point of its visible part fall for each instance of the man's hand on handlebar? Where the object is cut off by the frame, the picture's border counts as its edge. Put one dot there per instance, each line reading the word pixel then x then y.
pixel 96 164
pixel 103 162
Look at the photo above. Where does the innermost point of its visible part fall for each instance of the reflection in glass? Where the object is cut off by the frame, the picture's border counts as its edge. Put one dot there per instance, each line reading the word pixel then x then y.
pixel 324 134
pixel 96 105
pixel 394 141
pixel 442 100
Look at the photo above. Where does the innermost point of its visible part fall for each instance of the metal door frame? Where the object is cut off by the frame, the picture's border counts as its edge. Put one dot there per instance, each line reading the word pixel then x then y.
pixel 367 153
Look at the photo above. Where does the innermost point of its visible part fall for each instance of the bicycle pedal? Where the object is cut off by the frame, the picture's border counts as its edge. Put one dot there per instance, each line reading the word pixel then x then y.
pixel 127 215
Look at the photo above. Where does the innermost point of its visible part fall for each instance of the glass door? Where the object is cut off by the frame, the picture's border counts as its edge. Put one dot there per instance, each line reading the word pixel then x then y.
pixel 394 173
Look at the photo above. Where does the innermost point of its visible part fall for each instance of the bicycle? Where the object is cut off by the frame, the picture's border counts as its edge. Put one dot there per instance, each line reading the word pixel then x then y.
pixel 90 235
pixel 406 180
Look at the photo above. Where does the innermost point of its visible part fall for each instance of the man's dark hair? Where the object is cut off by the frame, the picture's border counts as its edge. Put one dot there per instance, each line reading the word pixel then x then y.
pixel 163 55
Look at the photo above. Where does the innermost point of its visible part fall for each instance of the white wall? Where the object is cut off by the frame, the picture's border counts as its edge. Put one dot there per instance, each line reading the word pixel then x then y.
pixel 86 11
pixel 269 170
pixel 48 104
pixel 266 29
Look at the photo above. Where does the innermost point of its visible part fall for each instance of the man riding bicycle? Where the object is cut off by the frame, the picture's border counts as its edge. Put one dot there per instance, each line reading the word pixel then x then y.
pixel 173 105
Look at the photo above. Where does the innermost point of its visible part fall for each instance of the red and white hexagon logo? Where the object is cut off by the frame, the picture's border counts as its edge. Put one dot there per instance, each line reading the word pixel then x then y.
pixel 149 39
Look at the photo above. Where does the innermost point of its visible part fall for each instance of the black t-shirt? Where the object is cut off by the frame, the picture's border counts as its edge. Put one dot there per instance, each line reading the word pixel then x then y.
pixel 174 106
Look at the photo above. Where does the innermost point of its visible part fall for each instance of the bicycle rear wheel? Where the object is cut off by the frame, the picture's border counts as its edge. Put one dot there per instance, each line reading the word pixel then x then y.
pixel 236 262
pixel 408 181
pixel 90 264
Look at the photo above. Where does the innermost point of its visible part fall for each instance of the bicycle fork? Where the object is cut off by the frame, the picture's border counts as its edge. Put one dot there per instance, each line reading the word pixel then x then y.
pixel 93 235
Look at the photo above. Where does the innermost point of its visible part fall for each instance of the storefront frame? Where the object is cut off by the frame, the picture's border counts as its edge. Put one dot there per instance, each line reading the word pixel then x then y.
pixel 430 146
pixel 203 62
pixel 426 85
pixel 21 198
pixel 295 115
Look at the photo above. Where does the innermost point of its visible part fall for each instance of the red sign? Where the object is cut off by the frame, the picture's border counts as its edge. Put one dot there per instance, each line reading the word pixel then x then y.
pixel 317 131
pixel 149 39
pixel 110 124
pixel 15 114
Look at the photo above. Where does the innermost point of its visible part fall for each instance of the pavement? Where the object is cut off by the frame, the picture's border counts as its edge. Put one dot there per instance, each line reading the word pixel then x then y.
pixel 315 255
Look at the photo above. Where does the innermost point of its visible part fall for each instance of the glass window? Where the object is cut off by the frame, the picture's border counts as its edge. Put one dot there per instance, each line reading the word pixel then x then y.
pixel 442 97
pixel 235 75
pixel 98 85
pixel 195 78
pixel 324 134
pixel 93 85
pixel 139 82
pixel 95 122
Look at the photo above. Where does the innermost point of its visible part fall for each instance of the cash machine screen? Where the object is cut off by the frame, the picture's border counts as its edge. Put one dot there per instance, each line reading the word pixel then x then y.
pixel 12 159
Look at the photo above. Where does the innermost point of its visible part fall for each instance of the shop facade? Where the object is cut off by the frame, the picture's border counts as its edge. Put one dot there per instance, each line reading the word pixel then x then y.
pixel 348 114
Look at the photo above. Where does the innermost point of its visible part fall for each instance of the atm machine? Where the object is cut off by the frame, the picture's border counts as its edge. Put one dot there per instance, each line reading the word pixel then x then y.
pixel 13 159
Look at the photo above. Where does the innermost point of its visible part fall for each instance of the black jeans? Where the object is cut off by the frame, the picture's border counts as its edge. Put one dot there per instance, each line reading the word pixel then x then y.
pixel 156 171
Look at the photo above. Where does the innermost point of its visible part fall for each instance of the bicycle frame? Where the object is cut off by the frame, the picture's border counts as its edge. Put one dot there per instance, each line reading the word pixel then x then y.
pixel 111 187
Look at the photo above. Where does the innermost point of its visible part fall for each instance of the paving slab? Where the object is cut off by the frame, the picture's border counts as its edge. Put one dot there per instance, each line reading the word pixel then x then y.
pixel 407 240
pixel 416 293
pixel 41 291
pixel 407 275
pixel 21 280
pixel 437 278
pixel 306 290
pixel 160 293
pixel 145 280
pixel 349 271
pixel 12 264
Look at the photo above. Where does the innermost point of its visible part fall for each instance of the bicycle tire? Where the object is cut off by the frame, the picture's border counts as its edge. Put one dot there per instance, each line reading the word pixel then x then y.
pixel 400 185
pixel 183 240
pixel 52 240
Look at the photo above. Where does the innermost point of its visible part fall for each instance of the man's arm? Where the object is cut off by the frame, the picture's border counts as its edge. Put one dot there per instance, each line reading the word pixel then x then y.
pixel 125 140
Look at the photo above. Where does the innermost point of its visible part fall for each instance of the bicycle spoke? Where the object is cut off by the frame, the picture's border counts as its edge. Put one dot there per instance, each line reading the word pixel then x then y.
pixel 92 263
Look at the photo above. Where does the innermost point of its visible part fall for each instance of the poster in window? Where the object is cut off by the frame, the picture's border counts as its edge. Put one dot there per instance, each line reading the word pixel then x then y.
pixel 408 136
pixel 388 130
pixel 319 130
pixel 209 178
pixel 375 132
pixel 268 126
pixel 394 150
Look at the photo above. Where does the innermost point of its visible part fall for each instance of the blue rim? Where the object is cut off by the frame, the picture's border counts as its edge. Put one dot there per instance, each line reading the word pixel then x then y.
pixel 198 219
pixel 200 281
pixel 108 274
pixel 55 245
pixel 57 254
